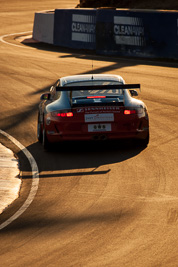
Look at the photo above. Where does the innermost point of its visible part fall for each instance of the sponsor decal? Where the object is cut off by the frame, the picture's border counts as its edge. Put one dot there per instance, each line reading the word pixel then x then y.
pixel 91 110
pixel 101 109
pixel 99 117
pixel 83 28
pixel 80 110
pixel 129 31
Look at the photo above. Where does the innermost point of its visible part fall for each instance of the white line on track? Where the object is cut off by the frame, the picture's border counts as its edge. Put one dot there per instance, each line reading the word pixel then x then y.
pixel 7 35
pixel 35 180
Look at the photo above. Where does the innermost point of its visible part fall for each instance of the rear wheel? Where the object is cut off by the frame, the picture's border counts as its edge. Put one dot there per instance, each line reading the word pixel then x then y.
pixel 39 130
pixel 46 143
pixel 145 142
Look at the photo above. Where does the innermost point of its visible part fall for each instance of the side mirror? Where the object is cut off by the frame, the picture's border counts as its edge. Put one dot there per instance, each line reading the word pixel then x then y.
pixel 133 93
pixel 45 96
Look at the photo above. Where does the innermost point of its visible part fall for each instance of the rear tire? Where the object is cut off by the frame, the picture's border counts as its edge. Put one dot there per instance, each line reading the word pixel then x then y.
pixel 46 143
pixel 39 130
pixel 145 142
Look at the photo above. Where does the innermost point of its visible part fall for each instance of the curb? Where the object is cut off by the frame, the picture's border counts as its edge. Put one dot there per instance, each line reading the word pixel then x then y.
pixel 10 183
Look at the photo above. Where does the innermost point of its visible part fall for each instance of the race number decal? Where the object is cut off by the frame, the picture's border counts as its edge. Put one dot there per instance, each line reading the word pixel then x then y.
pixel 99 127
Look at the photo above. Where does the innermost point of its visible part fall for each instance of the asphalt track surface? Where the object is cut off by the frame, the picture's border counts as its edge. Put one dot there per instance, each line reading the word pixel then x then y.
pixel 106 204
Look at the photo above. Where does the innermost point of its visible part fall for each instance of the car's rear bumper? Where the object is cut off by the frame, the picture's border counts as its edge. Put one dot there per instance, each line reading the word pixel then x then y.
pixel 56 137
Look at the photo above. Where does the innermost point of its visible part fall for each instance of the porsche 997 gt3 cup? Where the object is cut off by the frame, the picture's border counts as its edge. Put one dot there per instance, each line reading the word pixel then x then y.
pixel 92 107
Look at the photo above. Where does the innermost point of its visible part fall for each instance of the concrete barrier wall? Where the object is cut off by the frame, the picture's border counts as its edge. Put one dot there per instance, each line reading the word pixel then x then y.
pixel 43 28
pixel 133 33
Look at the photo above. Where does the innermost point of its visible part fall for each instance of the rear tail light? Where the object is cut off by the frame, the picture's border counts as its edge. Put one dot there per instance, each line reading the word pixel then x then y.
pixel 129 111
pixel 62 114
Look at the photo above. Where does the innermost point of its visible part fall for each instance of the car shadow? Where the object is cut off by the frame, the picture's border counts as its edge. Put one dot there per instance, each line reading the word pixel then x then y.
pixel 78 158
pixel 70 160
pixel 87 54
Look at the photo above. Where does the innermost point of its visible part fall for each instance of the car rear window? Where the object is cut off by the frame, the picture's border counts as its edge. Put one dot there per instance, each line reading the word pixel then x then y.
pixel 85 93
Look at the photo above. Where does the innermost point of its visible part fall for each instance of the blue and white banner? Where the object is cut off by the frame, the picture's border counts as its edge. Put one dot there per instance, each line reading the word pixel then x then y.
pixel 84 28
pixel 129 31
pixel 137 33
pixel 149 34
pixel 77 30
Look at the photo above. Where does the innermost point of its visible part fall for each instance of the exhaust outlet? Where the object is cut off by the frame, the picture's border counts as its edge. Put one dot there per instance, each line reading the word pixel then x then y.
pixel 99 137
pixel 95 137
pixel 103 137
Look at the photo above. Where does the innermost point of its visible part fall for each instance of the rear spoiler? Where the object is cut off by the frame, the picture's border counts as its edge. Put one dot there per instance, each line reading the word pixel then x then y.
pixel 98 87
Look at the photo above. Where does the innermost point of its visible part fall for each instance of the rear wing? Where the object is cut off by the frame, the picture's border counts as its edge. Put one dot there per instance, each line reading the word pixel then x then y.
pixel 98 87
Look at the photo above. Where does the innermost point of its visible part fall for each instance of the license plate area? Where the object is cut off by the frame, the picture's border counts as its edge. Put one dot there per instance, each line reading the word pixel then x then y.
pixel 99 127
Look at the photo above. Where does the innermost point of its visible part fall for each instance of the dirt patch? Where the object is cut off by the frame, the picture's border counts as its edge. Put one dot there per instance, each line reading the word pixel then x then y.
pixel 135 4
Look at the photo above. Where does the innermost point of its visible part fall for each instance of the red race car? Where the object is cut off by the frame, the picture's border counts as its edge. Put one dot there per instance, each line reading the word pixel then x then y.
pixel 92 107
